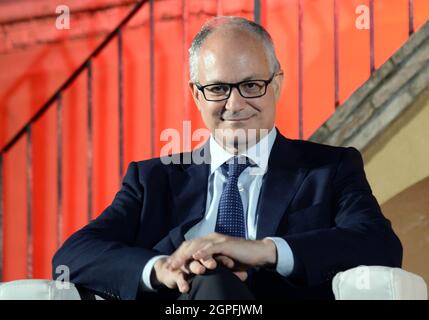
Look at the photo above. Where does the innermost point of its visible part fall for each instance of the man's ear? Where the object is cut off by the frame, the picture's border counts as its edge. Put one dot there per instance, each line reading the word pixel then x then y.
pixel 196 94
pixel 278 84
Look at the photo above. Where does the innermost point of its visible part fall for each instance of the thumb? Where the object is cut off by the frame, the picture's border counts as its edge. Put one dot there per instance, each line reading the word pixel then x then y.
pixel 241 274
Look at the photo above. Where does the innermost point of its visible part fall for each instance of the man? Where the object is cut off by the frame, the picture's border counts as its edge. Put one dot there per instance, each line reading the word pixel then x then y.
pixel 262 217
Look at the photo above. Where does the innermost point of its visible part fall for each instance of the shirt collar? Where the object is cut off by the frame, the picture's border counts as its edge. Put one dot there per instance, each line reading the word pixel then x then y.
pixel 258 153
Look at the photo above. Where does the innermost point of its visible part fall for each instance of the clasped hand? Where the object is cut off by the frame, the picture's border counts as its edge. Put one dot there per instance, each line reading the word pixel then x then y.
pixel 198 255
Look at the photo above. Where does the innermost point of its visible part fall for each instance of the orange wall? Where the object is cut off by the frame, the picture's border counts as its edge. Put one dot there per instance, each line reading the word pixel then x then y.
pixel 173 105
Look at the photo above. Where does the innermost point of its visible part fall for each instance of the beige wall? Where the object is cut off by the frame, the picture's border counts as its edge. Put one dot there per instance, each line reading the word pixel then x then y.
pixel 400 157
pixel 397 167
pixel 409 213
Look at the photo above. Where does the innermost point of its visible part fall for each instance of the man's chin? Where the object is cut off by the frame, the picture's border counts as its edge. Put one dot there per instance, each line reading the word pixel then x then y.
pixel 237 138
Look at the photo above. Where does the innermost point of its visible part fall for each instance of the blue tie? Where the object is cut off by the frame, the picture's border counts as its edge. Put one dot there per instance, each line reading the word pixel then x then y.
pixel 230 217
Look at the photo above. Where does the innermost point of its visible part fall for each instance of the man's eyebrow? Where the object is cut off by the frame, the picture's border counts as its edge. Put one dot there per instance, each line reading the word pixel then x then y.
pixel 251 77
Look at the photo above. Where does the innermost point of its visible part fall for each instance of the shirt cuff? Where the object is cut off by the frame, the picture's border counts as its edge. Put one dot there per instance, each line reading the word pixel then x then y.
pixel 147 270
pixel 285 260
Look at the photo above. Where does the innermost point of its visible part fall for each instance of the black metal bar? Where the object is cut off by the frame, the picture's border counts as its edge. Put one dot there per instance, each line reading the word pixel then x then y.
pixel 410 17
pixel 300 69
pixel 1 217
pixel 90 140
pixel 75 74
pixel 257 11
pixel 29 179
pixel 59 170
pixel 371 37
pixel 336 55
pixel 152 76
pixel 120 104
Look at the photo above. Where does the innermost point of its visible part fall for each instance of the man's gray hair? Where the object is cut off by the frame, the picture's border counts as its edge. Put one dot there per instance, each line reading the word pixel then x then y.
pixel 240 23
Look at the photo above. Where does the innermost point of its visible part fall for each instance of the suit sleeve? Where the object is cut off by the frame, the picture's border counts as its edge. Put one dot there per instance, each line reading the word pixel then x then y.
pixel 361 234
pixel 101 256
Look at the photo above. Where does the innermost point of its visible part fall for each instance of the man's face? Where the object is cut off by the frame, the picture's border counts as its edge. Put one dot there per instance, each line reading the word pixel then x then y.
pixel 231 56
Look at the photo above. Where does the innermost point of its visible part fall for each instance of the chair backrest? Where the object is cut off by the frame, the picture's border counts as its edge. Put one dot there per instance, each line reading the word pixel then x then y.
pixel 378 283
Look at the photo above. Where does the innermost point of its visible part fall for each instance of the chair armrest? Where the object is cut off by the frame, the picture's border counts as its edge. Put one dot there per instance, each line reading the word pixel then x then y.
pixel 378 283
pixel 34 289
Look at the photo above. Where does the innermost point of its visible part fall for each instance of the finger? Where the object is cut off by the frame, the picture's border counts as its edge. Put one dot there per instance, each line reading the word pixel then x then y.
pixel 209 263
pixel 184 253
pixel 209 250
pixel 185 269
pixel 188 248
pixel 225 261
pixel 242 275
pixel 182 284
pixel 174 262
pixel 196 267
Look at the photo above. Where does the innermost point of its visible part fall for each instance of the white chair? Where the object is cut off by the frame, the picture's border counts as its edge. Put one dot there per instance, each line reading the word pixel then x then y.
pixel 360 283
pixel 34 289
pixel 378 283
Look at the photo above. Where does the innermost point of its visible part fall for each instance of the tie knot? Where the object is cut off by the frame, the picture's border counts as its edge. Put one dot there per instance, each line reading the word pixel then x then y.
pixel 236 166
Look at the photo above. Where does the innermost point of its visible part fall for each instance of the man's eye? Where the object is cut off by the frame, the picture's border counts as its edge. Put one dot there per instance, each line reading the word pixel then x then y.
pixel 252 86
pixel 218 89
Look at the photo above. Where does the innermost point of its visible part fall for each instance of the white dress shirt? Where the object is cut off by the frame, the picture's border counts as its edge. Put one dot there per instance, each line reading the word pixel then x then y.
pixel 249 186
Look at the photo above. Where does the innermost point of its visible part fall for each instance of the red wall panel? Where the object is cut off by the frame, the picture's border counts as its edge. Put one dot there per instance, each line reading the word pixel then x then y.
pixel 282 23
pixel 421 12
pixel 75 155
pixel 105 127
pixel 390 28
pixel 318 54
pixel 15 218
pixel 45 209
pixel 354 65
pixel 137 113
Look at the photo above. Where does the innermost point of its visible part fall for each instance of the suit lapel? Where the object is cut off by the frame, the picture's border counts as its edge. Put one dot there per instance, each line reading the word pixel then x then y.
pixel 282 180
pixel 189 189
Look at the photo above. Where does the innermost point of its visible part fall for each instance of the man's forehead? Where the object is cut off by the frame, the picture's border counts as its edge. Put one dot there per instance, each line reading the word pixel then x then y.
pixel 232 65
pixel 218 72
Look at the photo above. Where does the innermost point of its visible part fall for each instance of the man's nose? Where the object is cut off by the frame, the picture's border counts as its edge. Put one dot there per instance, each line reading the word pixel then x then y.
pixel 235 101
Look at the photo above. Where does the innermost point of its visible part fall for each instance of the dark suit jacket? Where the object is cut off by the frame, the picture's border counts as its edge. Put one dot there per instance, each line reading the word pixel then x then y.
pixel 314 196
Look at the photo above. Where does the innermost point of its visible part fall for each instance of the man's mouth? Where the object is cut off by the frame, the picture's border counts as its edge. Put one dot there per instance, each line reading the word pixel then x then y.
pixel 237 119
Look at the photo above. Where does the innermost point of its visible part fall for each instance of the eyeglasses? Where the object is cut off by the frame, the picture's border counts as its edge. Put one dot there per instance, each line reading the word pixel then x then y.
pixel 247 89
